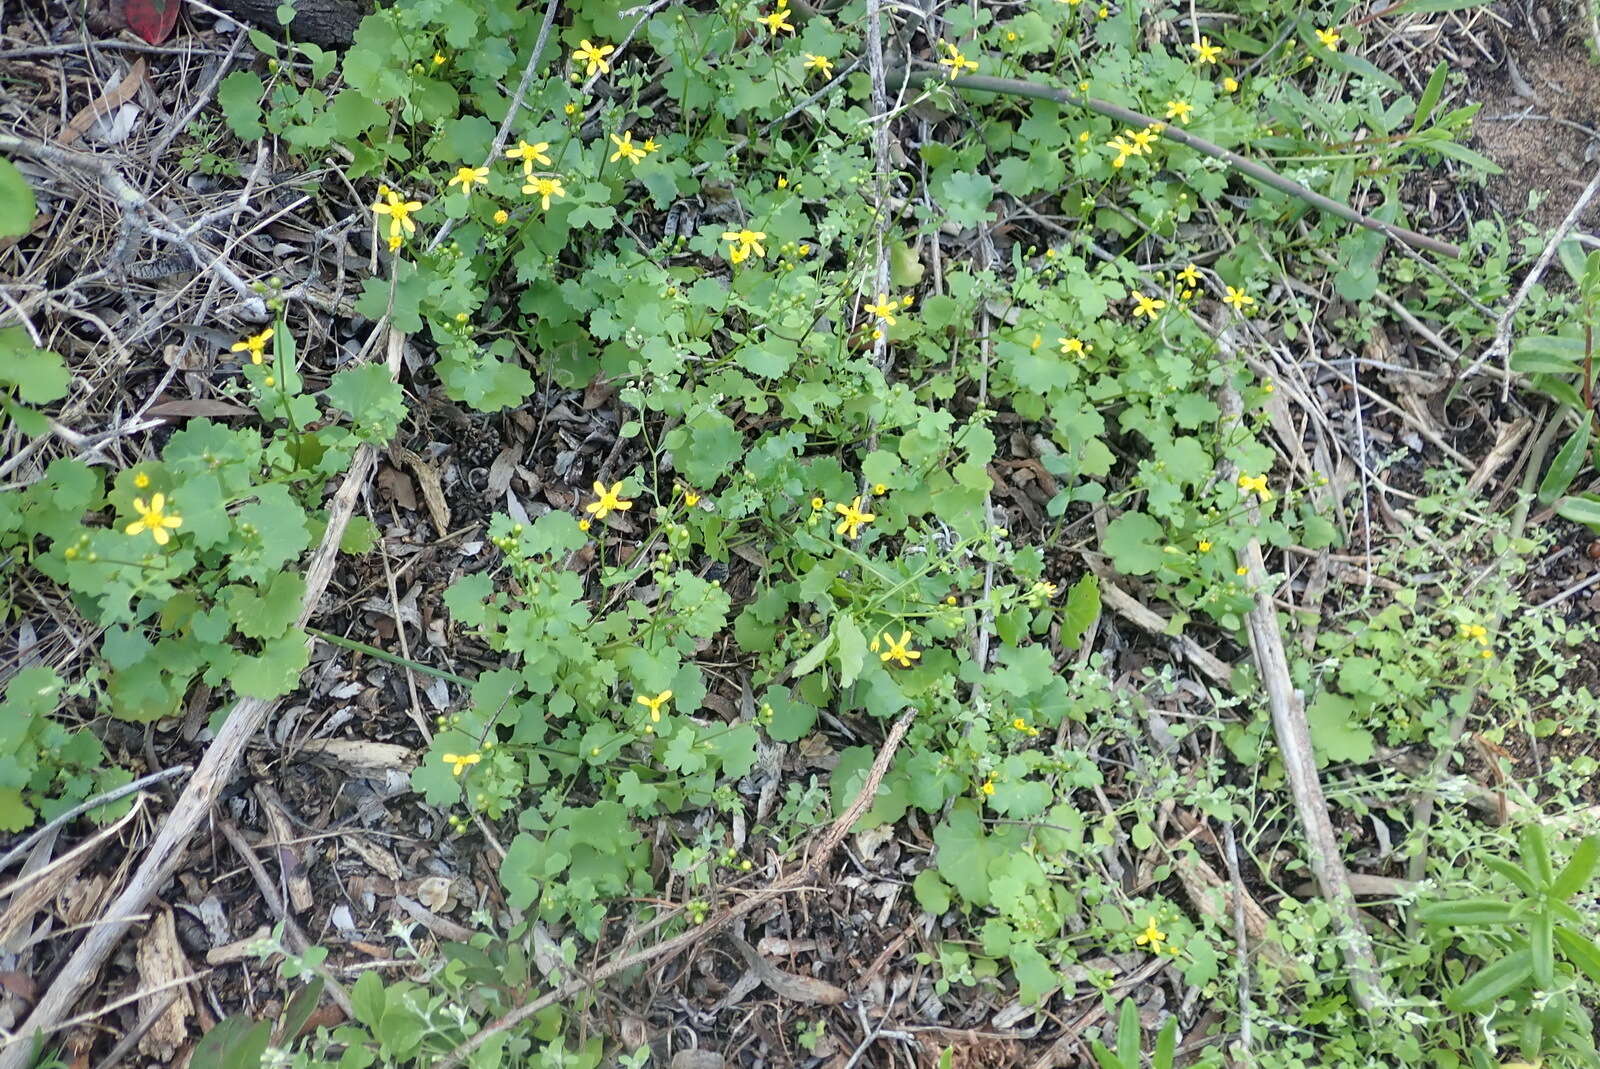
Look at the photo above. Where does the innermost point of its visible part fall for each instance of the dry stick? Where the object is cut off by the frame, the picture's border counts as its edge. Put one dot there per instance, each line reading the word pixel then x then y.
pixel 213 773
pixel 796 880
pixel 89 803
pixel 1265 175
pixel 1501 346
pixel 1299 763
pixel 504 133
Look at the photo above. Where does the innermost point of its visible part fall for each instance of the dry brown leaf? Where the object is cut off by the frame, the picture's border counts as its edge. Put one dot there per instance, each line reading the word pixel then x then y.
pixel 432 491
pixel 399 488
pixel 107 103
pixel 788 985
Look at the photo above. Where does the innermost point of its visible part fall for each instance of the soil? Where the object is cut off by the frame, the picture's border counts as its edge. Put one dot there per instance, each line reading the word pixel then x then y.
pixel 332 766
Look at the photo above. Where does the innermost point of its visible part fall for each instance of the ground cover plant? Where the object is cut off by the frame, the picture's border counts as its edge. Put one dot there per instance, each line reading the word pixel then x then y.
pixel 827 533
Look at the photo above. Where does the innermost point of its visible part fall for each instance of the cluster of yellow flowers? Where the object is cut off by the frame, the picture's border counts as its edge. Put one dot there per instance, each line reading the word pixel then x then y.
pixel 1133 143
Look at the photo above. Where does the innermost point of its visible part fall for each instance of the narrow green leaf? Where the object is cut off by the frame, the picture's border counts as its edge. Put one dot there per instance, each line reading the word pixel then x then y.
pixel 1579 867
pixel 1516 875
pixel 1128 1035
pixel 1547 354
pixel 1581 508
pixel 1565 467
pixel 1580 950
pixel 1430 95
pixel 1542 943
pixel 1166 1051
pixel 1536 853
pixel 1489 983
pixel 1468 911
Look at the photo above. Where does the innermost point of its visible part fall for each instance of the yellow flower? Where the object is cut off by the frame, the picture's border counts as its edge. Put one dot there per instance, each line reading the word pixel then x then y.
pixel 593 57
pixel 1329 39
pixel 1074 347
pixel 884 309
pixel 459 762
pixel 571 108
pixel 655 704
pixel 690 497
pixel 650 145
pixel 438 59
pixel 394 241
pixel 1143 139
pixel 1148 306
pixel 1190 275
pixel 626 147
pixel 1021 725
pixel 819 63
pixel 1124 150
pixel 1180 110
pixel 399 213
pixel 269 381
pixel 783 183
pixel 610 500
pixel 255 345
pixel 744 242
pixel 899 651
pixel 816 504
pixel 154 518
pixel 583 525
pixel 467 177
pixel 1255 483
pixel 955 61
pixel 777 21
pixel 854 519
pixel 1230 84
pixel 1477 632
pixel 1205 51
pixel 1238 299
pixel 1241 570
pixel 879 489
pixel 1151 937
pixel 501 217
pixel 544 189
pixel 530 154
pixel 988 786
pixel 141 480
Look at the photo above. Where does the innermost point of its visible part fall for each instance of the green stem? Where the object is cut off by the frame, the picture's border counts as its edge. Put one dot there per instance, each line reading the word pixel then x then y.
pixel 1266 176
pixel 385 655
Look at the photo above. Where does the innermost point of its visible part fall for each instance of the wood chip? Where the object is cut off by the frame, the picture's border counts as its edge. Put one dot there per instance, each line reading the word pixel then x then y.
pixel 360 756
pixel 377 858
pixel 161 964
pixel 280 839
pixel 1213 897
